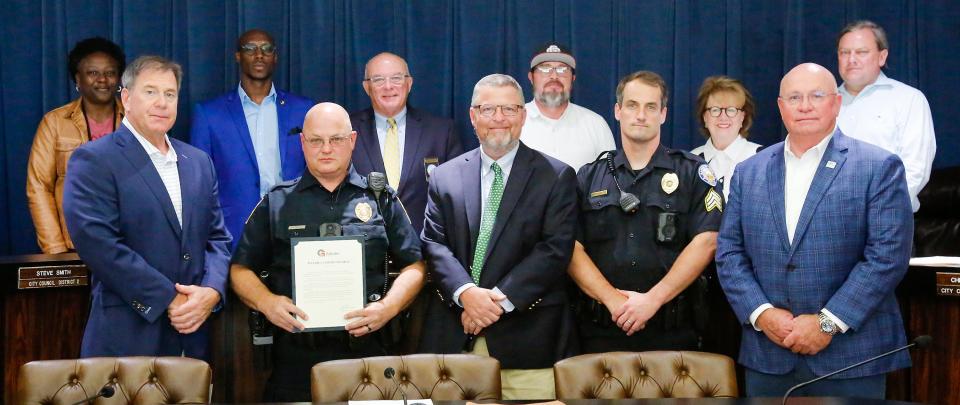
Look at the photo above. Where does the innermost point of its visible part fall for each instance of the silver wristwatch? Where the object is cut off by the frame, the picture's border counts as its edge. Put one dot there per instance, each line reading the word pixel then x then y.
pixel 827 325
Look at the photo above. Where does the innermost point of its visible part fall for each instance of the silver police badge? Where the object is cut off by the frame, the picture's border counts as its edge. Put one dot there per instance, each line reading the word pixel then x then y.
pixel 363 211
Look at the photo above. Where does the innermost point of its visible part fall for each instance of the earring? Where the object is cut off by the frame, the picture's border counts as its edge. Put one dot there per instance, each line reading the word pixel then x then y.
pixel 77 86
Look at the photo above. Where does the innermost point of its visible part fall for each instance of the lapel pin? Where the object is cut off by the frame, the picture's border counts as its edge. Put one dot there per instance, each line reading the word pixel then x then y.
pixel 831 164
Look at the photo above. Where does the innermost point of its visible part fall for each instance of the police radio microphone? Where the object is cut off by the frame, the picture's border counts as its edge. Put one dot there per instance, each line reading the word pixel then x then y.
pixel 628 201
pixel 377 182
pixel 105 392
pixel 919 342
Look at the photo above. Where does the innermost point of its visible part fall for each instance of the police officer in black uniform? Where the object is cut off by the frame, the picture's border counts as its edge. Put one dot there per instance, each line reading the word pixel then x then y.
pixel 648 228
pixel 330 199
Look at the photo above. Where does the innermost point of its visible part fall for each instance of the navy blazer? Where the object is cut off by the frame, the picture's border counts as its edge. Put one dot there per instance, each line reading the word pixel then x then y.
pixel 126 231
pixel 220 129
pixel 851 248
pixel 527 257
pixel 427 138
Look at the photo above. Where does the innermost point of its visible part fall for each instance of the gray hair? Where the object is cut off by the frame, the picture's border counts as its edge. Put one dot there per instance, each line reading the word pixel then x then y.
pixel 878 32
pixel 496 80
pixel 150 62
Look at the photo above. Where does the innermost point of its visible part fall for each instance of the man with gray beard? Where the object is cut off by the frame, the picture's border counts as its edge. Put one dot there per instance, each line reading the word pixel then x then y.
pixel 555 126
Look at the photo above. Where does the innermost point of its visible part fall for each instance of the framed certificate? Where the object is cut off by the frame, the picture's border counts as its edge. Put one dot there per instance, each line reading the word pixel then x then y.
pixel 328 279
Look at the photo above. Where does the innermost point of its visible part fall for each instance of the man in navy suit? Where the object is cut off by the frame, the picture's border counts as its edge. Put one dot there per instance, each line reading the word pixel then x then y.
pixel 143 210
pixel 815 239
pixel 251 133
pixel 498 236
pixel 402 142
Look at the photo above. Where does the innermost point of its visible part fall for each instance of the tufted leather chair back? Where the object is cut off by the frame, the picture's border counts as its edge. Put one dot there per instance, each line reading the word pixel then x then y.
pixel 655 374
pixel 420 376
pixel 136 380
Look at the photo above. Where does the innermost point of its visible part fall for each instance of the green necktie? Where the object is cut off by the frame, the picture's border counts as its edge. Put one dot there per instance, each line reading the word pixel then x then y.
pixel 486 223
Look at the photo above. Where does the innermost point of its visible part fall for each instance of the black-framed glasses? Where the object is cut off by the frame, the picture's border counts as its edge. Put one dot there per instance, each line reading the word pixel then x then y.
pixel 379 81
pixel 335 141
pixel 561 70
pixel 250 48
pixel 730 111
pixel 508 110
pixel 816 97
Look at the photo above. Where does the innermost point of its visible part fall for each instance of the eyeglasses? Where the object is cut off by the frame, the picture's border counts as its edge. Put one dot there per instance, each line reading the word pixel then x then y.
pixel 379 81
pixel 508 110
pixel 816 97
pixel 335 141
pixel 250 48
pixel 730 111
pixel 561 70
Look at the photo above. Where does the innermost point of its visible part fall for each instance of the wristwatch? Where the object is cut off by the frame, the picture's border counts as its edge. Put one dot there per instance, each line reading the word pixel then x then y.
pixel 827 325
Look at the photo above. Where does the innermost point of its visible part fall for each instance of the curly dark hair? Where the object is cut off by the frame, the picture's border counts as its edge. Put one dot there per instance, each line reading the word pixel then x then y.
pixel 89 46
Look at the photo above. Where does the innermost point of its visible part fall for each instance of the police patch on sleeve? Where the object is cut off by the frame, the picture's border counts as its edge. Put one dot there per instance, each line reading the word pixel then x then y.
pixel 707 175
pixel 713 201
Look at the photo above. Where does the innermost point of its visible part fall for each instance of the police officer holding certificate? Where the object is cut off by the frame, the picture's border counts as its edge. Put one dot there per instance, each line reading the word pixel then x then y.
pixel 330 199
pixel 648 222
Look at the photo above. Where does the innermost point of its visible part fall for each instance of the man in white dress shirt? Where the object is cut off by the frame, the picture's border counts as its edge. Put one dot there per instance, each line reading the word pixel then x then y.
pixel 555 126
pixel 880 110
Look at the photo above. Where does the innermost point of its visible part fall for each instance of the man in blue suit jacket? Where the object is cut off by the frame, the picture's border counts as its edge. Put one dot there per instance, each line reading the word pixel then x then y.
pixel 498 255
pixel 815 239
pixel 143 210
pixel 252 133
pixel 424 141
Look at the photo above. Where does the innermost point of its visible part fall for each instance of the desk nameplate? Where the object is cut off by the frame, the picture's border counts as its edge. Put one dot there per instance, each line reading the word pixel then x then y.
pixel 55 276
pixel 948 284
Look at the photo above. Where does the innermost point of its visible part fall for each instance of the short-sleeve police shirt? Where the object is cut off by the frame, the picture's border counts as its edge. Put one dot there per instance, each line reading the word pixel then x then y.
pixel 625 247
pixel 299 207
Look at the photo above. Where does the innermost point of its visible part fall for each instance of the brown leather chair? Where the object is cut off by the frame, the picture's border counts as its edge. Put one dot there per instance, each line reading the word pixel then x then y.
pixel 420 376
pixel 136 380
pixel 655 374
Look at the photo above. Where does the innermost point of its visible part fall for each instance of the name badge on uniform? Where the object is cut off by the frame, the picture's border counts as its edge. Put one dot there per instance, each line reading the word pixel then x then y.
pixel 669 183
pixel 296 227
pixel 430 163
pixel 598 193
pixel 364 211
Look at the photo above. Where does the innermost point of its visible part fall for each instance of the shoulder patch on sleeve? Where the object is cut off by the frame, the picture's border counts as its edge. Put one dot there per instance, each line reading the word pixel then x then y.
pixel 707 175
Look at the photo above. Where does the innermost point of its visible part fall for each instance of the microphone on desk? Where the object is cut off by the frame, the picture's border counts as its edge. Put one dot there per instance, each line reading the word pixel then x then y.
pixel 389 372
pixel 919 342
pixel 106 392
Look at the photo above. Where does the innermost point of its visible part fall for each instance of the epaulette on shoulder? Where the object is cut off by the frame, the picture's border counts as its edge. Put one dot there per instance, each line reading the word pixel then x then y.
pixel 286 184
pixel 686 155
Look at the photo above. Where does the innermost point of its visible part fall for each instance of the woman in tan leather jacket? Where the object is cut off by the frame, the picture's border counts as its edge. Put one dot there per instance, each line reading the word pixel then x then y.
pixel 95 66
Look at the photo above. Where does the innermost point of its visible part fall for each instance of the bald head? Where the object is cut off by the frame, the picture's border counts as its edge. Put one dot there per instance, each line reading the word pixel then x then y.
pixel 809 105
pixel 327 115
pixel 328 140
pixel 386 58
pixel 807 72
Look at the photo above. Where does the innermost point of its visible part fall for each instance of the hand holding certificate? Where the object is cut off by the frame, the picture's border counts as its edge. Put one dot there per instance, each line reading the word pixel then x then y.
pixel 328 280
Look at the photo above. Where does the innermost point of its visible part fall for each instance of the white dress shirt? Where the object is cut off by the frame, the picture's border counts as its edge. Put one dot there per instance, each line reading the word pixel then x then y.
pixel 166 165
pixel 895 117
pixel 486 182
pixel 577 138
pixel 723 162
pixel 798 176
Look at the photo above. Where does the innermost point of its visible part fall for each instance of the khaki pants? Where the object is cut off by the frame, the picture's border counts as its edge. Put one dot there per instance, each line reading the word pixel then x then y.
pixel 521 384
